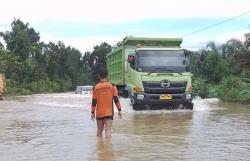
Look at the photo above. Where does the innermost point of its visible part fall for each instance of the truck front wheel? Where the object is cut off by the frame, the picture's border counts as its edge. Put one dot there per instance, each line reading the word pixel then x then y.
pixel 138 107
pixel 189 105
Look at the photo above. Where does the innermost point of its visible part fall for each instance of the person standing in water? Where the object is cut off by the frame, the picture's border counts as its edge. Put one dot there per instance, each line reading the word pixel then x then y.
pixel 103 95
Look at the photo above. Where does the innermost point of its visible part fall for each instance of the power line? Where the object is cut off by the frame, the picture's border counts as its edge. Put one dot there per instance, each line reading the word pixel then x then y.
pixel 219 23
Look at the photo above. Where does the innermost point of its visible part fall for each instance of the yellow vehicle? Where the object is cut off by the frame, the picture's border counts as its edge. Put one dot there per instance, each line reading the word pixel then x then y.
pixel 2 86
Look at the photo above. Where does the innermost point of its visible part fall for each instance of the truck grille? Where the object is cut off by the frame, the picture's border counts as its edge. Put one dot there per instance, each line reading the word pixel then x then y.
pixel 176 87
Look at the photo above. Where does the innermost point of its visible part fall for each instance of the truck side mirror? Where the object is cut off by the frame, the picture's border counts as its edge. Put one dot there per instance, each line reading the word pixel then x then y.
pixel 187 52
pixel 131 58
pixel 184 62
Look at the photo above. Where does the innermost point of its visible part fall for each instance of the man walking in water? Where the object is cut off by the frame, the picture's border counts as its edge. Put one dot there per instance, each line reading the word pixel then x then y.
pixel 104 93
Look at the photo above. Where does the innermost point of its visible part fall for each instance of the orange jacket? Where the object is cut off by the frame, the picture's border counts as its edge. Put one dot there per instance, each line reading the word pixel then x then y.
pixel 103 95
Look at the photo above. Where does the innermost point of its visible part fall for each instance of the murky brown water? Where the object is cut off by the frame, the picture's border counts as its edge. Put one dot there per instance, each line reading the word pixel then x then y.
pixel 55 127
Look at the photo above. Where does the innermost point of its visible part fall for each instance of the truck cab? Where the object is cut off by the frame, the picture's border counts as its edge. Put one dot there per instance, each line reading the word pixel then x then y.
pixel 159 78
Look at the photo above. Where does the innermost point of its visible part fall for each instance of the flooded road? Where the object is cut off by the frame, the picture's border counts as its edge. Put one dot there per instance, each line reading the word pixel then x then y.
pixel 51 127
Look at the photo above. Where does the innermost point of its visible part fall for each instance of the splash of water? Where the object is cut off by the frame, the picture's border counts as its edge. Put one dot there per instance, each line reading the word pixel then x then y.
pixel 204 104
pixel 199 105
pixel 80 101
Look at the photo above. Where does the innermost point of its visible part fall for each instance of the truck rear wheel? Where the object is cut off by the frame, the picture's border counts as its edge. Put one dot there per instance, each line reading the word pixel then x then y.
pixel 125 93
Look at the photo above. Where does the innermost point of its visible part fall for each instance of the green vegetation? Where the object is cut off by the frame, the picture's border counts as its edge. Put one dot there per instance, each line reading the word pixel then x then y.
pixel 223 71
pixel 31 66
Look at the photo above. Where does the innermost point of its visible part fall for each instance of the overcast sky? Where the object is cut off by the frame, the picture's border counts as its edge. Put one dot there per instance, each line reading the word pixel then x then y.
pixel 85 23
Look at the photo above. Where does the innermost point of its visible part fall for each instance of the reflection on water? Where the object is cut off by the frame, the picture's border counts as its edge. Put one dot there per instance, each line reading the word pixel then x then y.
pixel 104 150
pixel 58 127
pixel 155 136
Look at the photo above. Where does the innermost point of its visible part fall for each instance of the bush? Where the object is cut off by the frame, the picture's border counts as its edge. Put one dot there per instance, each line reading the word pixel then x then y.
pixel 200 87
pixel 233 89
pixel 41 86
pixel 65 84
pixel 16 88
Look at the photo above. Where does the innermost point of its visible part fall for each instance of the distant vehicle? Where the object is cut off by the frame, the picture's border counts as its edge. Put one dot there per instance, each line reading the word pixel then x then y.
pixel 83 90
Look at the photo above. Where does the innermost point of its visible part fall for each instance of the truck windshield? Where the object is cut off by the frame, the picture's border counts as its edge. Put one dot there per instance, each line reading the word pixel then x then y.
pixel 151 60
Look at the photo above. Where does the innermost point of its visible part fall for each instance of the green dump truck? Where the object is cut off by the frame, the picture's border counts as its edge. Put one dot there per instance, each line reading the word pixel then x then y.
pixel 153 72
pixel 2 86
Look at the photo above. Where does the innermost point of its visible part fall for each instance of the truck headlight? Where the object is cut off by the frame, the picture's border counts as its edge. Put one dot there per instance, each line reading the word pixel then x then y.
pixel 137 88
pixel 189 89
pixel 140 96
pixel 188 96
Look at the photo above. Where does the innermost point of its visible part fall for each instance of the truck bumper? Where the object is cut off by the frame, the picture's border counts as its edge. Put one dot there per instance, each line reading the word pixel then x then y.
pixel 146 101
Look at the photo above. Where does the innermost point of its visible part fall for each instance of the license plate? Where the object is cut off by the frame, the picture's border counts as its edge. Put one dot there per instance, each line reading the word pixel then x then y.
pixel 165 97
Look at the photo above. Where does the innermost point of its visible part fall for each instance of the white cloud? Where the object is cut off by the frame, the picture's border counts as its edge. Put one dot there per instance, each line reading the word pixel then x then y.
pixel 198 42
pixel 88 43
pixel 2 41
pixel 111 11
pixel 230 35
pixel 84 43
pixel 192 43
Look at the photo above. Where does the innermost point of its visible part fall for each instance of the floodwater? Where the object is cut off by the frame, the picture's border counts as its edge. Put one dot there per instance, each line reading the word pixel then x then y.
pixel 57 127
